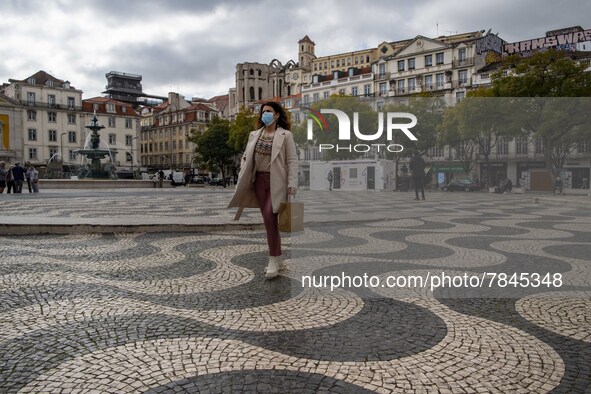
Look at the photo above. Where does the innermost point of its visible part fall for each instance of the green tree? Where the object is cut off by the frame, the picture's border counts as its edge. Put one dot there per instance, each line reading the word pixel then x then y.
pixel 240 128
pixel 538 81
pixel 477 122
pixel 367 122
pixel 212 146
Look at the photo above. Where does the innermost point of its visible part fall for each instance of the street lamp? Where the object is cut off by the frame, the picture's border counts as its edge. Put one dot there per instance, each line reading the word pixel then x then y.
pixel 62 145
pixel 132 155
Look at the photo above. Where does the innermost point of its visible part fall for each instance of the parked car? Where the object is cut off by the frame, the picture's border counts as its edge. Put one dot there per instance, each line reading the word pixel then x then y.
pixel 198 179
pixel 461 185
pixel 216 182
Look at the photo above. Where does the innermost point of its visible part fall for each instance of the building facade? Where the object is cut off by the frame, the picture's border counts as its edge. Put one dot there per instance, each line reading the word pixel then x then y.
pixel 165 132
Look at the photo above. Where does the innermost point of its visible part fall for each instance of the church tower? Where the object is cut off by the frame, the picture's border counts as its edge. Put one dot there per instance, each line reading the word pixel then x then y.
pixel 306 53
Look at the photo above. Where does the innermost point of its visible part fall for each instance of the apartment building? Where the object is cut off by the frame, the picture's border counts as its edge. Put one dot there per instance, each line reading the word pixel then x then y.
pixel 122 125
pixel 165 132
pixel 51 123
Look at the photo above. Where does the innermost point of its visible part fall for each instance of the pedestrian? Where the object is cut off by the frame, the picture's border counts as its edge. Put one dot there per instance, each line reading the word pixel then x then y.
pixel 34 179
pixel 160 178
pixel 558 185
pixel 417 169
pixel 268 173
pixel 18 174
pixel 187 179
pixel 3 173
pixel 584 184
pixel 329 178
pixel 9 180
pixel 27 176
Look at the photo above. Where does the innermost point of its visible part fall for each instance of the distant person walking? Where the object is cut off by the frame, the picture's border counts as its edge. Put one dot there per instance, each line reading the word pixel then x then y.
pixel 160 178
pixel 558 185
pixel 33 175
pixel 18 174
pixel 9 180
pixel 3 173
pixel 417 169
pixel 329 178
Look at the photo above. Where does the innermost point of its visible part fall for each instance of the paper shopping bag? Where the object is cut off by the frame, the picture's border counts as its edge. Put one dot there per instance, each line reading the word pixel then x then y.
pixel 291 217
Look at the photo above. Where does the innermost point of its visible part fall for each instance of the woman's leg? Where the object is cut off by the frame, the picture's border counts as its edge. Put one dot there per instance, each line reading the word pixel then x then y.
pixel 262 188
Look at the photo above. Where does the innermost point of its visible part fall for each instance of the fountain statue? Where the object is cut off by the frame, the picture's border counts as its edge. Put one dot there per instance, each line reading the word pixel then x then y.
pixel 94 152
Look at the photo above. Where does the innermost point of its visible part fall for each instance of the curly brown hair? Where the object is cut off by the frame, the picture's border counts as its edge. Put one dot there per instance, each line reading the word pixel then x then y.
pixel 283 121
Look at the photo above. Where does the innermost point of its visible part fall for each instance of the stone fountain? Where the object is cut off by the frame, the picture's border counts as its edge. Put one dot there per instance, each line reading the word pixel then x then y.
pixel 93 152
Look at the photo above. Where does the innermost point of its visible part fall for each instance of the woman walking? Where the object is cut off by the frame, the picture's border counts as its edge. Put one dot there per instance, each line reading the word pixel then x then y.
pixel 268 173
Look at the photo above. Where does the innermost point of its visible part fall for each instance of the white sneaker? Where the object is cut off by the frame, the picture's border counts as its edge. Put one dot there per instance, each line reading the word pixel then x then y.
pixel 272 269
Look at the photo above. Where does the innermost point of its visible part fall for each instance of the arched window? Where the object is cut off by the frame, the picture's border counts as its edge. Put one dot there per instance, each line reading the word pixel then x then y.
pixel 252 93
pixel 260 93
pixel 251 71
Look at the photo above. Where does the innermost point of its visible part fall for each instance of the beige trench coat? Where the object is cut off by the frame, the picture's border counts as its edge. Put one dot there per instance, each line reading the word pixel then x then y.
pixel 284 171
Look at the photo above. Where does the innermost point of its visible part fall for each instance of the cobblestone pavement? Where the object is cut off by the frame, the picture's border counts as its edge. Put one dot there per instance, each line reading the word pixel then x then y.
pixel 191 311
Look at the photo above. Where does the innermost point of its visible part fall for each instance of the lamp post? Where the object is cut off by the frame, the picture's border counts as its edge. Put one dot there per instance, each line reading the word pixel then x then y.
pixel 132 155
pixel 62 145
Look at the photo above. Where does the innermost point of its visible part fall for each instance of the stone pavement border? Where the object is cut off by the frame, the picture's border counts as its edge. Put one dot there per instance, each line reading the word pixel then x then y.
pixel 88 211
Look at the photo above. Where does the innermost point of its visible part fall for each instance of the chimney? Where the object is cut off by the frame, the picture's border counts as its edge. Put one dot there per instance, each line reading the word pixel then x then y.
pixel 173 100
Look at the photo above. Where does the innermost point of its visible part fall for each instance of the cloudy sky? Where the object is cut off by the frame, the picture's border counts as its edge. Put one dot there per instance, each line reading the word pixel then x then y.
pixel 192 46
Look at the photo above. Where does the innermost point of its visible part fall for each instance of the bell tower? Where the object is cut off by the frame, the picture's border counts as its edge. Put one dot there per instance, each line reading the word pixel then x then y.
pixel 306 53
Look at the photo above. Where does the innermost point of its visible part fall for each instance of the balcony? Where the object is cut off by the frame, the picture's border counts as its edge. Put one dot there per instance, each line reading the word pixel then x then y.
pixel 462 83
pixel 467 62
pixel 382 76
pixel 42 104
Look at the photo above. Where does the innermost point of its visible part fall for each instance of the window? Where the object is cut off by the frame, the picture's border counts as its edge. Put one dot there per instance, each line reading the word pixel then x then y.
pixel 123 109
pixel 315 98
pixel 180 144
pixel 367 90
pixel 584 147
pixel 95 107
pixel 297 117
pixel 71 102
pixel 32 134
pixel 463 76
pixel 52 135
pixel 33 153
pixel 521 145
pixel 411 63
pixel 435 152
pixel 460 96
pixel 428 60
pixel 338 62
pixel 112 139
pixel 462 54
pixel 30 98
pixel 72 137
pixel 439 58
pixel 353 173
pixel 381 70
pixel 73 155
pixel 52 151
pixel 412 84
pixel 439 78
pixel 51 100
pixel 201 115
pixel 400 65
pixel 400 86
pixel 306 99
pixel 173 145
pixel 71 119
pixel 32 115
pixel 128 124
pixel 111 121
pixel 325 95
pixel 539 146
pixel 503 146
pixel 428 82
pixel 383 89
pixel 51 117
pixel 307 154
pixel 354 91
pixel 128 140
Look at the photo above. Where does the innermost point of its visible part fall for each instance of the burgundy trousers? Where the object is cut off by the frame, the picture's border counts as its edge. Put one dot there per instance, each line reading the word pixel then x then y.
pixel 262 190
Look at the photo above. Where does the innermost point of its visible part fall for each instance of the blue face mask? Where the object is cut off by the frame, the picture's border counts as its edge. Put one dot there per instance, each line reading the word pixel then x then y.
pixel 268 118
